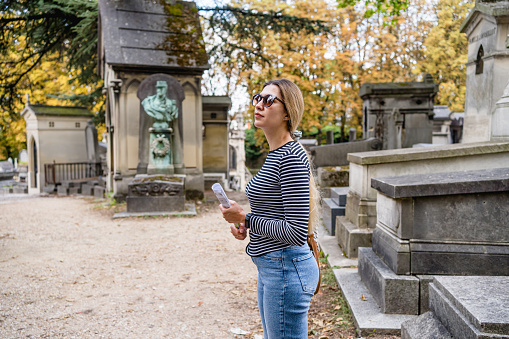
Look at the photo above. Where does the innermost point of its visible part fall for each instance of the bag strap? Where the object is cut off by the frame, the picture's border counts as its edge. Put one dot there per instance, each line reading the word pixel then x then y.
pixel 314 248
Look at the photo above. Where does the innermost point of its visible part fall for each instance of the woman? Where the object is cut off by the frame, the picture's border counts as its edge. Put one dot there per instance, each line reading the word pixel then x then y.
pixel 280 218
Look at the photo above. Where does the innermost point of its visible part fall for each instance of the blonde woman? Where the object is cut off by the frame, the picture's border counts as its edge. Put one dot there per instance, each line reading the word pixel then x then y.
pixel 280 218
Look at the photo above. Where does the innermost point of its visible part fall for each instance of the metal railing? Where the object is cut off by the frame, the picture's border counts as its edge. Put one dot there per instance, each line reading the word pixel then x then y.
pixel 57 173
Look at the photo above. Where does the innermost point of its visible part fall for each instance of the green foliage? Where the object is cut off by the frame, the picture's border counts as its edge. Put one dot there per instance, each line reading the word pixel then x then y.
pixel 387 8
pixel 37 30
pixel 253 148
pixel 445 53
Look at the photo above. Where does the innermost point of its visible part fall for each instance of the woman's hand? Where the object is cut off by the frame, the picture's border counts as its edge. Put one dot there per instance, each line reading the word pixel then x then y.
pixel 235 214
pixel 239 233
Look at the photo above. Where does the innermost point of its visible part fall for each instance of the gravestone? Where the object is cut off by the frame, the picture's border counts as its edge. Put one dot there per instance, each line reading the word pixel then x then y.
pixel 157 187
pixel 23 157
pixel 92 142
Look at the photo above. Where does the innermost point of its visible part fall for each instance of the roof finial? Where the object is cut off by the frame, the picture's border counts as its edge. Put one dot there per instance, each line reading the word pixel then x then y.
pixel 28 99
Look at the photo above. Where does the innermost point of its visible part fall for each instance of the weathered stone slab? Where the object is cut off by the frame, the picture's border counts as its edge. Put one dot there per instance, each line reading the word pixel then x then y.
pixel 87 189
pixel 365 311
pixel 424 281
pixel 395 294
pixel 330 211
pixel 156 193
pixel 425 326
pixel 361 212
pixel 155 204
pixel 336 154
pixel 465 182
pixel 74 190
pixel 62 190
pixel 394 252
pixel 461 263
pixel 472 306
pixel 350 238
pixel 339 194
pixel 99 192
pixel 20 189
pixel 49 188
pixel 5 190
pixel 328 245
pixel 332 176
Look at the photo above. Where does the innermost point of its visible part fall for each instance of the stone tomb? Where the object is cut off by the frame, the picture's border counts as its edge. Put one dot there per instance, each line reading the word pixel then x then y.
pixel 445 223
pixel 461 309
pixel 452 224
pixel 361 209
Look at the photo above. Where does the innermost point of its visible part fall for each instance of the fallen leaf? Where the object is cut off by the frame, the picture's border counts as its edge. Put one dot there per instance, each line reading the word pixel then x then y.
pixel 200 303
pixel 363 298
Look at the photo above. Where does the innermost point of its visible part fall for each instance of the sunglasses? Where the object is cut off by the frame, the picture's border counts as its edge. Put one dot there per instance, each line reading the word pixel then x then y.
pixel 267 100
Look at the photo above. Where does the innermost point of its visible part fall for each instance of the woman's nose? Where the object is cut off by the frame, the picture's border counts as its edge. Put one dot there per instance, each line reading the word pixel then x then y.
pixel 259 105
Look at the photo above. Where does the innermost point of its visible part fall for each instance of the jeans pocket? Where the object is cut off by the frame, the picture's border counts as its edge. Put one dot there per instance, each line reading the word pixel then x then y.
pixel 307 269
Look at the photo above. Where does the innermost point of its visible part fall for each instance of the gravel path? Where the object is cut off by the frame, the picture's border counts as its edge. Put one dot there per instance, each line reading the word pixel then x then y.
pixel 68 270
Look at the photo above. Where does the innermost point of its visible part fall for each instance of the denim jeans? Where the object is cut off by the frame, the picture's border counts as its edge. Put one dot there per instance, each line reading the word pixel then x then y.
pixel 287 280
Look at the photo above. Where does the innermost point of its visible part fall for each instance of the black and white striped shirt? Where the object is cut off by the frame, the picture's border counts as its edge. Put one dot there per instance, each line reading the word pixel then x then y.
pixel 279 200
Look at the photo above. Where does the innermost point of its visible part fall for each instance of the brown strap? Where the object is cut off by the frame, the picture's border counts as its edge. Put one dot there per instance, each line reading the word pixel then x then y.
pixel 314 248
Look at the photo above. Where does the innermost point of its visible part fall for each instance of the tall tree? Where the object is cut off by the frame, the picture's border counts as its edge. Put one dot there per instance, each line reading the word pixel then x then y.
pixel 445 53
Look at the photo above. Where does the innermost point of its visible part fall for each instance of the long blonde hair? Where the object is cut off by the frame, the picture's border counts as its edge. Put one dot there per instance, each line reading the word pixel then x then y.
pixel 294 104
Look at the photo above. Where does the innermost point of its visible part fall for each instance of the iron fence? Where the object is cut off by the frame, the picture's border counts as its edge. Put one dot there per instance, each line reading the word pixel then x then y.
pixel 57 173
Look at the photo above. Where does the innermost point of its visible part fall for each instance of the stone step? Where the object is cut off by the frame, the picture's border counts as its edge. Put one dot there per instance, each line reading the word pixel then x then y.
pixel 395 294
pixel 471 306
pixel 338 194
pixel 330 211
pixel 425 326
pixel 350 238
pixel 367 316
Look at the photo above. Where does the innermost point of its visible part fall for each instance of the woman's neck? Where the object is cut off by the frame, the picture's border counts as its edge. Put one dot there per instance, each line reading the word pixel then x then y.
pixel 277 140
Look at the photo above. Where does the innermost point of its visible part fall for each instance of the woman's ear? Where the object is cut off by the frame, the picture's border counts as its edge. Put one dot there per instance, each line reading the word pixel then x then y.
pixel 286 118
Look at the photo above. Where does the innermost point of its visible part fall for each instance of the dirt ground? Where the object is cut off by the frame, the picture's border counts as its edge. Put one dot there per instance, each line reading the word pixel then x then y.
pixel 69 270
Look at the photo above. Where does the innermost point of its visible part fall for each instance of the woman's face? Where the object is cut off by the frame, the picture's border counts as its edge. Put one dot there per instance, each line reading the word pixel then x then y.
pixel 271 118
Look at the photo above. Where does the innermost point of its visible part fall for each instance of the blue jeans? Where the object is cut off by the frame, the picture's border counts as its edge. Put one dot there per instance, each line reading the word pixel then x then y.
pixel 287 280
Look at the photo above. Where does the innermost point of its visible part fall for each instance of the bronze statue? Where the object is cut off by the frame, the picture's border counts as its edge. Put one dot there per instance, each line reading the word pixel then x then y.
pixel 161 108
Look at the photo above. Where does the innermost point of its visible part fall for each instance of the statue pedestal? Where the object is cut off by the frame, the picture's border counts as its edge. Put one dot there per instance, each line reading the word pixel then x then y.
pixel 160 160
pixel 156 193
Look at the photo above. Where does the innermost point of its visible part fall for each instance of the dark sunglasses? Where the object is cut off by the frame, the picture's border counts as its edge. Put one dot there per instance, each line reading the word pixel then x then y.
pixel 267 100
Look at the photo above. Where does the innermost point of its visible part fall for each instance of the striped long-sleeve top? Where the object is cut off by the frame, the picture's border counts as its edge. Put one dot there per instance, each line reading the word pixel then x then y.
pixel 279 200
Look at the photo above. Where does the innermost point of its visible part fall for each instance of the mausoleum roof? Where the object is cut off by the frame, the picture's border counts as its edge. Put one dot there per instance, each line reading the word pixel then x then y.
pixel 150 35
pixel 494 8
pixel 71 111
pixel 398 88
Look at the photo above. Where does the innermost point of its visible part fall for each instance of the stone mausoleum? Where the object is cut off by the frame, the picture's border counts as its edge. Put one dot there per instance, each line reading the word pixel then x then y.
pixel 57 134
pixel 487 92
pixel 154 49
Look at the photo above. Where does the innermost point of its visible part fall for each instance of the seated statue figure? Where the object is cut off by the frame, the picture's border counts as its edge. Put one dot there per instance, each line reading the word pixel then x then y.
pixel 161 108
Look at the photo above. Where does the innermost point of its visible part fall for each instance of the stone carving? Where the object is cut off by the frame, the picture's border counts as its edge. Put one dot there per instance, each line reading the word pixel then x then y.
pixel 161 108
pixel 153 187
